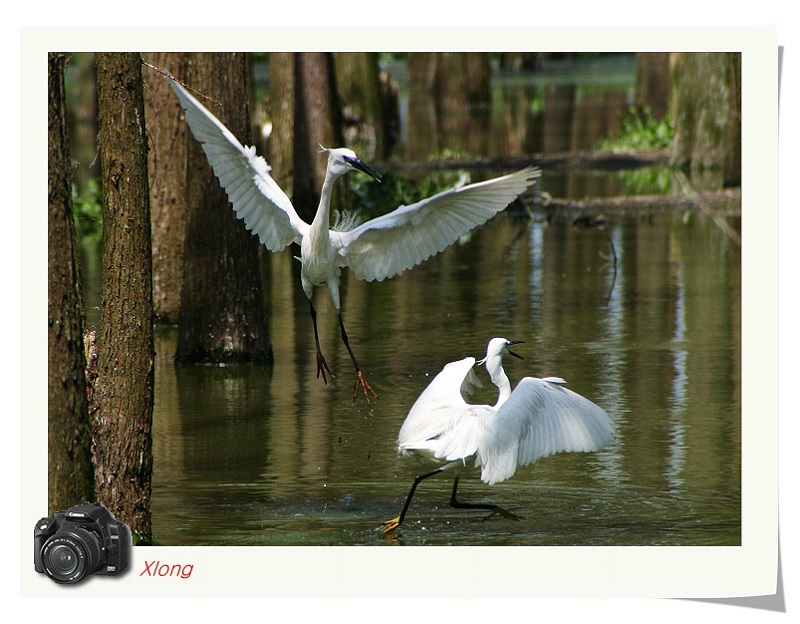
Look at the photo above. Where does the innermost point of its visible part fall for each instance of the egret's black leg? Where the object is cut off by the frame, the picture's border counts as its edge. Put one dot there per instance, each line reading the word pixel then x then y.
pixel 322 365
pixel 361 381
pixel 390 525
pixel 493 508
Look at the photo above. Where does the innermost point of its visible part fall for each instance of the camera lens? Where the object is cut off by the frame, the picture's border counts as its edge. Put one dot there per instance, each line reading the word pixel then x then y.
pixel 69 556
pixel 64 559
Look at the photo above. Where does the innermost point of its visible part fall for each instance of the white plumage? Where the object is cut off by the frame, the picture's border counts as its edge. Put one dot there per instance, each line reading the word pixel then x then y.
pixel 539 418
pixel 380 248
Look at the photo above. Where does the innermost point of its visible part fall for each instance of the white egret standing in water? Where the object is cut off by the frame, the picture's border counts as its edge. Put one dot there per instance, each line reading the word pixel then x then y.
pixel 375 250
pixel 539 418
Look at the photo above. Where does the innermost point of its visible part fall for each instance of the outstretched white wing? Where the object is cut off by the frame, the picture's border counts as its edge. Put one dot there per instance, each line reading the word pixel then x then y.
pixel 540 419
pixel 440 406
pixel 255 196
pixel 392 243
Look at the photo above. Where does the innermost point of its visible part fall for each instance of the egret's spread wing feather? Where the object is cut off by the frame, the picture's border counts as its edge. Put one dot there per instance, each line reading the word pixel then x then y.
pixel 439 407
pixel 540 419
pixel 470 383
pixel 462 441
pixel 256 197
pixel 401 239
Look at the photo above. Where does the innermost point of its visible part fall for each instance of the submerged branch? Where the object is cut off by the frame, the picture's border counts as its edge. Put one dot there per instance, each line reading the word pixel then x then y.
pixel 725 203
pixel 703 206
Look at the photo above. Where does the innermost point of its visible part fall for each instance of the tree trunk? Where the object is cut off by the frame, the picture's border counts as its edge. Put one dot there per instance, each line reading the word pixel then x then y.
pixel 124 386
pixel 708 115
pixel 652 82
pixel 451 92
pixel 422 128
pixel 69 440
pixel 733 156
pixel 364 115
pixel 167 132
pixel 223 313
pixel 479 78
pixel 421 69
pixel 316 122
pixel 449 95
pixel 280 96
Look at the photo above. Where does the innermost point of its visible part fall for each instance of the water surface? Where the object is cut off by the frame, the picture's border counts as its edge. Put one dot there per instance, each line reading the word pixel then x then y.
pixel 268 455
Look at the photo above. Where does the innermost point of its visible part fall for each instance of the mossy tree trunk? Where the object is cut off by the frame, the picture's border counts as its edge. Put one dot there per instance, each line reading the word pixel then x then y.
pixel 708 113
pixel 123 390
pixel 69 441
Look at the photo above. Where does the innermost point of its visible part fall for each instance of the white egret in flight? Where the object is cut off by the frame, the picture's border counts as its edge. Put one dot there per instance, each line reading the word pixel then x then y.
pixel 539 418
pixel 375 250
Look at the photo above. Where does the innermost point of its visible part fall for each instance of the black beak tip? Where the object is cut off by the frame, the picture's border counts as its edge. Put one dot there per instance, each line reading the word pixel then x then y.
pixel 515 342
pixel 365 168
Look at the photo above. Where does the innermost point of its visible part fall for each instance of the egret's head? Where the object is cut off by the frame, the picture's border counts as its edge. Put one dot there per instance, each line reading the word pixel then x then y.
pixel 342 160
pixel 498 347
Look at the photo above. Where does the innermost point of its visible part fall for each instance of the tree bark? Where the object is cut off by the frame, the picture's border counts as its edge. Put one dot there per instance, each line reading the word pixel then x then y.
pixel 223 313
pixel 69 442
pixel 451 92
pixel 708 113
pixel 479 78
pixel 422 128
pixel 363 101
pixel 316 122
pixel 652 82
pixel 421 69
pixel 124 387
pixel 450 95
pixel 281 103
pixel 167 134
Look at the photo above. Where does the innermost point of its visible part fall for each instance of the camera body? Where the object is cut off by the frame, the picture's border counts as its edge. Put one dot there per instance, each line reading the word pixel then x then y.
pixel 85 539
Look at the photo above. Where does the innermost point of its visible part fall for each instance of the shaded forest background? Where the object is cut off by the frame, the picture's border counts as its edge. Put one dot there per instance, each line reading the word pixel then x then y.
pixel 173 251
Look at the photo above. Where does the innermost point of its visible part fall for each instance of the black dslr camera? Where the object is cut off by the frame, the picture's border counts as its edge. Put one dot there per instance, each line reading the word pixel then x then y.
pixel 84 539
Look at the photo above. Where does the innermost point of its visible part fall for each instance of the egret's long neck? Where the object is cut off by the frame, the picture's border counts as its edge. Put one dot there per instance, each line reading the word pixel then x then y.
pixel 494 366
pixel 322 220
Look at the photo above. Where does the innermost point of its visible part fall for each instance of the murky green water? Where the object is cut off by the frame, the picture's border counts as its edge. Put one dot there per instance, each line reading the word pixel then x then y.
pixel 249 455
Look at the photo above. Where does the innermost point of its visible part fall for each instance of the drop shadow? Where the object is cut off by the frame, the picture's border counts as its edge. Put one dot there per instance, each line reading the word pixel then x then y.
pixel 773 602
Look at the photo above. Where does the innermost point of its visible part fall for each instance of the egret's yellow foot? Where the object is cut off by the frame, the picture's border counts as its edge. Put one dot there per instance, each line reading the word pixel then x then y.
pixel 390 525
pixel 361 382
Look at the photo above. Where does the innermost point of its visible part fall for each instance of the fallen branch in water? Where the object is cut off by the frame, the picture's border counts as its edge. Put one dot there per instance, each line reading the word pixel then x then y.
pixel 703 206
pixel 725 203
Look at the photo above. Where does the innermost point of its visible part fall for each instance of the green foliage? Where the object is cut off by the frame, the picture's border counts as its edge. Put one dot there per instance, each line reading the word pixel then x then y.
pixel 87 210
pixel 640 132
pixel 448 154
pixel 646 181
pixel 374 199
pixel 138 540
